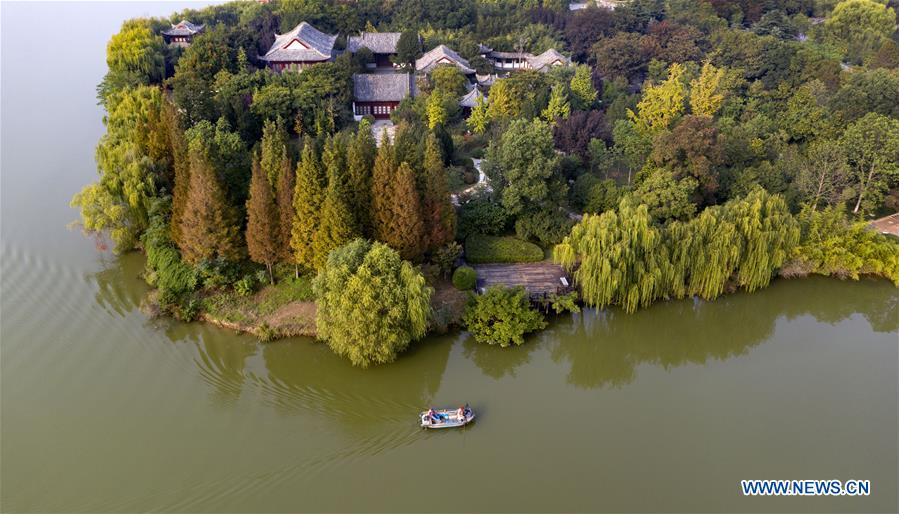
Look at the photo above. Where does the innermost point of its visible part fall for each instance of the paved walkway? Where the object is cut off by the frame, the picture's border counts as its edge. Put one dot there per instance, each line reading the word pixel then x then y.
pixel 887 224
pixel 481 184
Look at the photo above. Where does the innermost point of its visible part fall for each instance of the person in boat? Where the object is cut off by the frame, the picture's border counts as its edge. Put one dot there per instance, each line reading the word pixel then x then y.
pixel 461 413
pixel 432 416
pixel 467 411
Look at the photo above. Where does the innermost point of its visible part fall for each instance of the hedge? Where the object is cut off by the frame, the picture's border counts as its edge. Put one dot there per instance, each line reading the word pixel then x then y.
pixel 482 249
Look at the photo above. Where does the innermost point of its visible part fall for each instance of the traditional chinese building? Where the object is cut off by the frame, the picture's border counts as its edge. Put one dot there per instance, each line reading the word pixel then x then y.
pixel 379 94
pixel 470 100
pixel 381 44
pixel 181 34
pixel 512 61
pixel 442 55
pixel 301 47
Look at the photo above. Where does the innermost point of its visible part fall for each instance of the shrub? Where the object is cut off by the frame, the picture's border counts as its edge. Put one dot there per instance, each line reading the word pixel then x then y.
pixel 483 216
pixel 445 257
pixel 465 278
pixel 483 249
pixel 546 227
pixel 245 286
pixel 502 316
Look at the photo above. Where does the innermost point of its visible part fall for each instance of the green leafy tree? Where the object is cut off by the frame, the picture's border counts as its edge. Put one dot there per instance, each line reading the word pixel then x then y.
pixel 502 316
pixel 618 258
pixel 479 118
pixel 706 96
pixel 824 174
pixel 134 159
pixel 859 27
pixel 872 149
pixel 135 57
pixel 284 192
pixel 408 49
pixel 308 197
pixel 583 94
pixel 661 104
pixel 436 109
pixel 209 228
pixel 371 304
pixel 263 231
pixel 502 104
pixel 448 79
pixel 666 197
pixel 558 106
pixel 523 166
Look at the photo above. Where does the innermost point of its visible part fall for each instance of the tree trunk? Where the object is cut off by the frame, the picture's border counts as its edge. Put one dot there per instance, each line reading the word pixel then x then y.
pixel 862 189
pixel 271 277
pixel 296 270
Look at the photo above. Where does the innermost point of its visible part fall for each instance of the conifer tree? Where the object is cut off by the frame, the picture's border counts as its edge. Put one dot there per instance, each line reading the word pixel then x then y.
pixel 383 175
pixel 405 230
pixel 308 197
pixel 558 106
pixel 439 215
pixel 181 166
pixel 208 226
pixel 479 117
pixel 338 225
pixel 360 158
pixel 284 189
pixel 263 226
pixel 274 149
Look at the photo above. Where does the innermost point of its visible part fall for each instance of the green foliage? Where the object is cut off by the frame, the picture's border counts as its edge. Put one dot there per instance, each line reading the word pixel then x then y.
pixel 445 257
pixel 479 118
pixel 872 150
pixel 594 195
pixel 133 159
pixel 565 303
pixel 502 316
pixel 135 57
pixel 408 49
pixel 337 223
pixel 174 279
pixel 661 104
pixel 859 27
pixel 833 245
pixel 705 91
pixel 246 286
pixel 482 215
pixel 558 106
pixel 666 197
pixel 371 304
pixel 583 94
pixel 523 166
pixel 483 249
pixel 465 278
pixel 546 227
pixel 308 197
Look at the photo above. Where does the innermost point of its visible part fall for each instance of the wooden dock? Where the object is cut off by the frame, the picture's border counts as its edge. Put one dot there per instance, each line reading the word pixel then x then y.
pixel 540 279
pixel 887 224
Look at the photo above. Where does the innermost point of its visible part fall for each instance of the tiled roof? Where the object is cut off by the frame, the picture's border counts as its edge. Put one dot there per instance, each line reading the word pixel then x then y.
pixel 470 99
pixel 382 87
pixel 547 58
pixel 313 45
pixel 443 53
pixel 377 42
pixel 184 28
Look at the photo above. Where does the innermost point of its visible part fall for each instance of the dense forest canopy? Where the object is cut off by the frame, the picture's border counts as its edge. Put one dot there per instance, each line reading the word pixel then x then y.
pixel 712 144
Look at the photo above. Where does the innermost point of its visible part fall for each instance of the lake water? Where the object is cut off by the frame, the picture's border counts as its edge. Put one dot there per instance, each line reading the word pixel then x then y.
pixel 665 410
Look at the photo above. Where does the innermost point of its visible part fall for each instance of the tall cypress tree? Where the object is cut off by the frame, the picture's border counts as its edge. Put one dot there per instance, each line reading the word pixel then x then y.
pixel 263 225
pixel 405 232
pixel 360 157
pixel 274 148
pixel 208 226
pixel 181 165
pixel 284 189
pixel 338 224
pixel 439 215
pixel 383 176
pixel 308 197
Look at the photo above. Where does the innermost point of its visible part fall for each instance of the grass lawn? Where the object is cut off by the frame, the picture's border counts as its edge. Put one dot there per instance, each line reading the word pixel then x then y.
pixel 286 308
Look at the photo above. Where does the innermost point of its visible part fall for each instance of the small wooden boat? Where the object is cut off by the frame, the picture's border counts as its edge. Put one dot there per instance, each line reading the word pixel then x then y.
pixel 446 418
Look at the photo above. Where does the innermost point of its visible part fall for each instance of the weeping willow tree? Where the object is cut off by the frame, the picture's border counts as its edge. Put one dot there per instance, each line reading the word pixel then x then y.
pixel 618 258
pixel 768 233
pixel 622 258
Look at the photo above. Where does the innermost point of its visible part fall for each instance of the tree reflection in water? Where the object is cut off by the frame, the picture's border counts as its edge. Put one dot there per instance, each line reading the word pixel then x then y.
pixel 497 362
pixel 603 348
